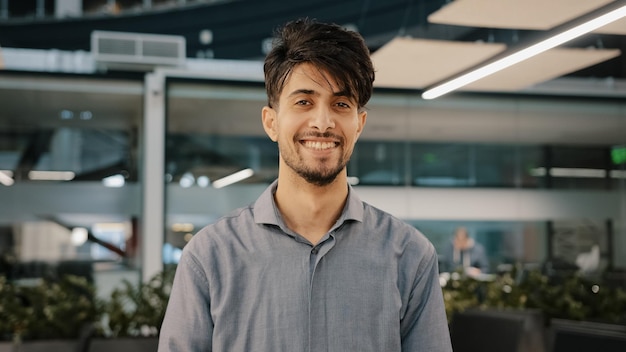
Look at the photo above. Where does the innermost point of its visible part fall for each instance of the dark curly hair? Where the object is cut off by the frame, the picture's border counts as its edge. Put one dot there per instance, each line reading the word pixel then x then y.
pixel 339 52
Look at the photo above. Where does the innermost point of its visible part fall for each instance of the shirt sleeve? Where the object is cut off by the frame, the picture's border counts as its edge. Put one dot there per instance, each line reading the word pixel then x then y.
pixel 424 326
pixel 187 326
pixel 481 258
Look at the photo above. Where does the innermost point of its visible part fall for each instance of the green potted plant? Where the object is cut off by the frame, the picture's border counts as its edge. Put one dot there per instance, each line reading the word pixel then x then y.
pixel 133 315
pixel 13 316
pixel 46 310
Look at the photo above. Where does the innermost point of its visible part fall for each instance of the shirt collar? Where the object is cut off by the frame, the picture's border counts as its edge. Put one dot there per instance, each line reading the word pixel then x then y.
pixel 266 212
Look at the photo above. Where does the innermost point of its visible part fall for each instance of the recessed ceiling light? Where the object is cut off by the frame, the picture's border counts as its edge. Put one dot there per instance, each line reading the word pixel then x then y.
pixel 86 115
pixel 206 36
pixel 79 236
pixel 187 180
pixel 114 181
pixel 66 115
pixel 203 181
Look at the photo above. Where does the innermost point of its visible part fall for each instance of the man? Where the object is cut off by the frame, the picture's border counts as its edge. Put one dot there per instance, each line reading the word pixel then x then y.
pixel 308 266
pixel 465 254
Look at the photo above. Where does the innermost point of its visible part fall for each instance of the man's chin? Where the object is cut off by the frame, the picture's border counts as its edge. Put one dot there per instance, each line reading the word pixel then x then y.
pixel 320 179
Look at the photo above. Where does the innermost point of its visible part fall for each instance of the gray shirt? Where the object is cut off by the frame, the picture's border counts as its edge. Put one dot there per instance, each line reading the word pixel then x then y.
pixel 248 283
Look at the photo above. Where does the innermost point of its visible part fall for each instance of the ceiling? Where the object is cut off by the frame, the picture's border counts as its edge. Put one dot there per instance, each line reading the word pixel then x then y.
pixel 454 57
pixel 414 44
pixel 454 34
pixel 528 15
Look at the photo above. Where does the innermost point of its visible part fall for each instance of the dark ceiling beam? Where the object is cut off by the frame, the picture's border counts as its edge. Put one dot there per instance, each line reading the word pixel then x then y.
pixel 38 144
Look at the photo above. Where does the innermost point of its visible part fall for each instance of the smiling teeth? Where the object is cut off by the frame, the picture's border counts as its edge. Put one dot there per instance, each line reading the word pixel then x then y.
pixel 319 145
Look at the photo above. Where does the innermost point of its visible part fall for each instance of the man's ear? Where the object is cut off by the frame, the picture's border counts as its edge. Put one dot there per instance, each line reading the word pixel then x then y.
pixel 362 119
pixel 268 116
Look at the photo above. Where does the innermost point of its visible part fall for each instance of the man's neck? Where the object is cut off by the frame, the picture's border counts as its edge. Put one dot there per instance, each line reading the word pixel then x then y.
pixel 308 209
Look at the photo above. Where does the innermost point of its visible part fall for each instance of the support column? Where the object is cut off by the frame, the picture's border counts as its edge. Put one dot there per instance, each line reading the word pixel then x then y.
pixel 153 177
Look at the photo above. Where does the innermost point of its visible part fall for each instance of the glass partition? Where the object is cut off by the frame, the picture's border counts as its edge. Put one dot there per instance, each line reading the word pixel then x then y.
pixel 380 163
pixel 506 242
pixel 450 147
pixel 69 185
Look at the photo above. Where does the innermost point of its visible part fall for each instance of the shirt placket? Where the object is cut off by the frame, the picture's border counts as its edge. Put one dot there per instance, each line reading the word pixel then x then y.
pixel 316 254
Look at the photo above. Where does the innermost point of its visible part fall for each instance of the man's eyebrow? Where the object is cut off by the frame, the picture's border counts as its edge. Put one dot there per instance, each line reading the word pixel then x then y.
pixel 303 91
pixel 342 93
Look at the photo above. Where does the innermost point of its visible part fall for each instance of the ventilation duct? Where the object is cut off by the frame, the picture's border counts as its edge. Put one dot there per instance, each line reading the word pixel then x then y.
pixel 136 51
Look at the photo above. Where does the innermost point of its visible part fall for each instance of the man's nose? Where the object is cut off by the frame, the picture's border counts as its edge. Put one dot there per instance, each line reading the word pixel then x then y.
pixel 322 119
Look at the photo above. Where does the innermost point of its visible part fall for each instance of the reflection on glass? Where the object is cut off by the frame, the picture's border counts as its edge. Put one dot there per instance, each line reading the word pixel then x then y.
pixel 214 131
pixel 579 167
pixel 66 154
pixel 50 248
pixel 203 160
pixel 379 163
pixel 505 242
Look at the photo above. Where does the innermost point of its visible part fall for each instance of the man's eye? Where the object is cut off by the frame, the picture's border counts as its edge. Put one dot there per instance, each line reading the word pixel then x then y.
pixel 343 105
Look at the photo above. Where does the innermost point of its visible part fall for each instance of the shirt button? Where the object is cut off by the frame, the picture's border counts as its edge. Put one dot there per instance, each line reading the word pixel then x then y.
pixel 315 250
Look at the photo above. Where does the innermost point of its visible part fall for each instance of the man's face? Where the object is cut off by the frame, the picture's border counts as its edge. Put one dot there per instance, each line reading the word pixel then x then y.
pixel 461 239
pixel 314 124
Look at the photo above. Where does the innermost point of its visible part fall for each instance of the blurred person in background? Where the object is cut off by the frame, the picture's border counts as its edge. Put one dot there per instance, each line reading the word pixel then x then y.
pixel 464 254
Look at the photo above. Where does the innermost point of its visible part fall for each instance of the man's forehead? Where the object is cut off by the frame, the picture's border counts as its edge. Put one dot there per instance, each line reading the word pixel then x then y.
pixel 308 79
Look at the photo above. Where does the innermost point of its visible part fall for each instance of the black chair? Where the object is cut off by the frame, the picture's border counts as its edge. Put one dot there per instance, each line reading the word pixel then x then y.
pixel 572 336
pixel 496 331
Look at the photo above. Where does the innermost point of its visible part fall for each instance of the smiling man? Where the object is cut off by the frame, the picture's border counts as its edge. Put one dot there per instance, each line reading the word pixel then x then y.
pixel 309 266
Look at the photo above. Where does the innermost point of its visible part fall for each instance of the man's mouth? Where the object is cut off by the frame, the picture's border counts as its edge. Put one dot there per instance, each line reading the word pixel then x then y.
pixel 318 145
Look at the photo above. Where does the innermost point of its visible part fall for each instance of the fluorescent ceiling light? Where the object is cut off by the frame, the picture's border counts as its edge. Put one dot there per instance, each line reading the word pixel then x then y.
pixel 233 178
pixel 51 175
pixel 6 177
pixel 577 172
pixel 523 54
pixel 618 174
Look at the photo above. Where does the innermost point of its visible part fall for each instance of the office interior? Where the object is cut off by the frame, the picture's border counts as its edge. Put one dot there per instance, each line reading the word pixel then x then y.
pixel 108 167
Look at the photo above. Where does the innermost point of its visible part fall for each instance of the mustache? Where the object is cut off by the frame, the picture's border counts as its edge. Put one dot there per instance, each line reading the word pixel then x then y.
pixel 314 134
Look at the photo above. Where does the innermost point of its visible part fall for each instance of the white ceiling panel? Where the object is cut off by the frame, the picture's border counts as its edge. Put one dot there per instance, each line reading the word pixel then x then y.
pixel 418 63
pixel 517 14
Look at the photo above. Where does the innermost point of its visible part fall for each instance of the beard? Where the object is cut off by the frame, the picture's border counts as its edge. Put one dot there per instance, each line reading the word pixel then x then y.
pixel 319 173
pixel 320 176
